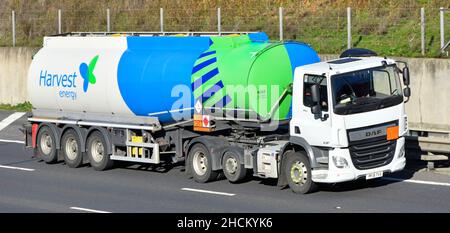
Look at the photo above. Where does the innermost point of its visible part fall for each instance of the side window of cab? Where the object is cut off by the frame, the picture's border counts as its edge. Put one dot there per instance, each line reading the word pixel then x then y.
pixel 308 81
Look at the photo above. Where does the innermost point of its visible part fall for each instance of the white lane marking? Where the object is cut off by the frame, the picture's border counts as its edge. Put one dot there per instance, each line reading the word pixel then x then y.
pixel 416 181
pixel 90 210
pixel 17 168
pixel 10 119
pixel 12 141
pixel 207 191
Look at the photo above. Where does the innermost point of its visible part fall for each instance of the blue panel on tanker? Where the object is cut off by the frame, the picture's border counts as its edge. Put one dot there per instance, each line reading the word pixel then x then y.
pixel 258 37
pixel 300 54
pixel 150 68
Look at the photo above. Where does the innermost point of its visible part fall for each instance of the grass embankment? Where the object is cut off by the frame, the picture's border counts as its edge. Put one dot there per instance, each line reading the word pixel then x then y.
pixel 23 107
pixel 391 28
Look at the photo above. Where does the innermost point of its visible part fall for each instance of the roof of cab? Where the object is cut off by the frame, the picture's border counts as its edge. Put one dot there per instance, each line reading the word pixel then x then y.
pixel 347 64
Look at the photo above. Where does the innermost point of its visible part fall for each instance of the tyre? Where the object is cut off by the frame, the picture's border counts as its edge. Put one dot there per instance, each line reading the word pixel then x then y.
pixel 233 170
pixel 298 173
pixel 97 152
pixel 71 149
pixel 201 164
pixel 46 143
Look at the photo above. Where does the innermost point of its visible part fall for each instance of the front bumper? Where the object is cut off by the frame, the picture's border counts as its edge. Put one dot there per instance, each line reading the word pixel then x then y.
pixel 335 175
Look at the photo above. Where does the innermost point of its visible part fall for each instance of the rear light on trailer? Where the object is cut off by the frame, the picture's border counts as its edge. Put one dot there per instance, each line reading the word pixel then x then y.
pixel 34 129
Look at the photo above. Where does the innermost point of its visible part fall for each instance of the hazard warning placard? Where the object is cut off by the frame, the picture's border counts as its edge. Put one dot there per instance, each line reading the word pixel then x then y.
pixel 203 123
pixel 206 121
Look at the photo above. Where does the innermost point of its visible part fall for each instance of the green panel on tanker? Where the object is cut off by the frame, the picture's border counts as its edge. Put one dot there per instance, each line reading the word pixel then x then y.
pixel 260 69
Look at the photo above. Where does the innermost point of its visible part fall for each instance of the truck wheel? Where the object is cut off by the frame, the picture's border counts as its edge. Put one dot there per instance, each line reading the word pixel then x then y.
pixel 47 145
pixel 97 152
pixel 298 173
pixel 201 164
pixel 232 168
pixel 71 148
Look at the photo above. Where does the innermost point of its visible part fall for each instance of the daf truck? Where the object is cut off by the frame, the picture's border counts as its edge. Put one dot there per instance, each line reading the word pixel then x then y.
pixel 234 104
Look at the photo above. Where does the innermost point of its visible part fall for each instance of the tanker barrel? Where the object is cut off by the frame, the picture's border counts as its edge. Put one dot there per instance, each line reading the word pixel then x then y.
pixel 164 79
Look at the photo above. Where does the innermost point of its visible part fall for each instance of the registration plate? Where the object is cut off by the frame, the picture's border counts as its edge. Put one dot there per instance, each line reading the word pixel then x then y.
pixel 374 175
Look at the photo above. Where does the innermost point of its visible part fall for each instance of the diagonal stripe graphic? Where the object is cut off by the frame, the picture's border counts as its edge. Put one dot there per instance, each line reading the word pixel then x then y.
pixel 210 92
pixel 206 54
pixel 197 83
pixel 203 64
pixel 223 102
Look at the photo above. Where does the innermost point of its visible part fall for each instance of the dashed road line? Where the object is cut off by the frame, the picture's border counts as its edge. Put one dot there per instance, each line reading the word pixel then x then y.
pixel 18 168
pixel 416 181
pixel 10 119
pixel 89 210
pixel 12 141
pixel 207 191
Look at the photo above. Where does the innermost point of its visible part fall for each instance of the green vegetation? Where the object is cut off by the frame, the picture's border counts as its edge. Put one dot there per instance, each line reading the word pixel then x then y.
pixel 23 107
pixel 389 27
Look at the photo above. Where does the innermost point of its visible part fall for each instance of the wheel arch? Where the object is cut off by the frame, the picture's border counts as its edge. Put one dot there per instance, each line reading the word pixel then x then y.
pixel 81 133
pixel 239 151
pixel 296 144
pixel 215 147
pixel 300 144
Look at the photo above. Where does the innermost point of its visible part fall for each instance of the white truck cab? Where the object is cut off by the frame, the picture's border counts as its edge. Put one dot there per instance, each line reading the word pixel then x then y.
pixel 350 112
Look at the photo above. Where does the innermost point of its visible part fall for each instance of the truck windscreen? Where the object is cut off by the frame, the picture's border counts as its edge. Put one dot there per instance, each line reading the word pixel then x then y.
pixel 366 90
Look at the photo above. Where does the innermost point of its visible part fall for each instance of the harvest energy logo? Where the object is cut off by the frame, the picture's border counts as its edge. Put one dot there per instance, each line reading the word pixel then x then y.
pixel 67 82
pixel 86 72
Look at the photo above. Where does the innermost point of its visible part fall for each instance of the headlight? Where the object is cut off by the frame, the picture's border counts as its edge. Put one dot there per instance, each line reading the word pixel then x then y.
pixel 340 162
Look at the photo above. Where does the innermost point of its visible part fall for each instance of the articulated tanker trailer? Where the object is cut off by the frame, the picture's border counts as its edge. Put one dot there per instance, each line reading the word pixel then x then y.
pixel 232 104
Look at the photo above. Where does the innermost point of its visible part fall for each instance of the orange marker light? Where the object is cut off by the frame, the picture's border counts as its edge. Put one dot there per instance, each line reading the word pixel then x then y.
pixel 392 133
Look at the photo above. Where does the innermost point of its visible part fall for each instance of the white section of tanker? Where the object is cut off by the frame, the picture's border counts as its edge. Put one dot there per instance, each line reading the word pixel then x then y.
pixel 55 81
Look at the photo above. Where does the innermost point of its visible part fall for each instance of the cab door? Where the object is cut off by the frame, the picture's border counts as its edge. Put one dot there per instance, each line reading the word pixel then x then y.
pixel 315 129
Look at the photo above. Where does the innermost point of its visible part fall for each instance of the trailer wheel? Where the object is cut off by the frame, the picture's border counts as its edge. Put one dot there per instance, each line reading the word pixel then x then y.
pixel 298 173
pixel 232 168
pixel 71 148
pixel 47 145
pixel 201 163
pixel 97 152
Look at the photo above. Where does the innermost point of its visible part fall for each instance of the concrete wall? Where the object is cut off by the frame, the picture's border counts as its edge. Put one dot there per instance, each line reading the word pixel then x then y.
pixel 428 108
pixel 14 63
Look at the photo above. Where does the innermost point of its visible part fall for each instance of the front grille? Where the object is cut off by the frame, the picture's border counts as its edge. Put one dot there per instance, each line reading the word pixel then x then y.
pixel 372 153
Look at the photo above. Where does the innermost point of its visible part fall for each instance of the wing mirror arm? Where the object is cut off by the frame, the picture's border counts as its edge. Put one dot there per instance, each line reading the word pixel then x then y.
pixel 316 109
pixel 406 80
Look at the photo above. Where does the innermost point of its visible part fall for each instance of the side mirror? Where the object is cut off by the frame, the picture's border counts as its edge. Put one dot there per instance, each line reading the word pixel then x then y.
pixel 406 76
pixel 315 97
pixel 407 92
pixel 315 93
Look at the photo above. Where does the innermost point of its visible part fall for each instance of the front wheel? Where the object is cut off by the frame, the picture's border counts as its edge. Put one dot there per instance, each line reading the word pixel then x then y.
pixel 298 173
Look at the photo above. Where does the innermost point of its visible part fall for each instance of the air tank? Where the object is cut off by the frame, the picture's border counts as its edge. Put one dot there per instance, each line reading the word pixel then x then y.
pixel 111 78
